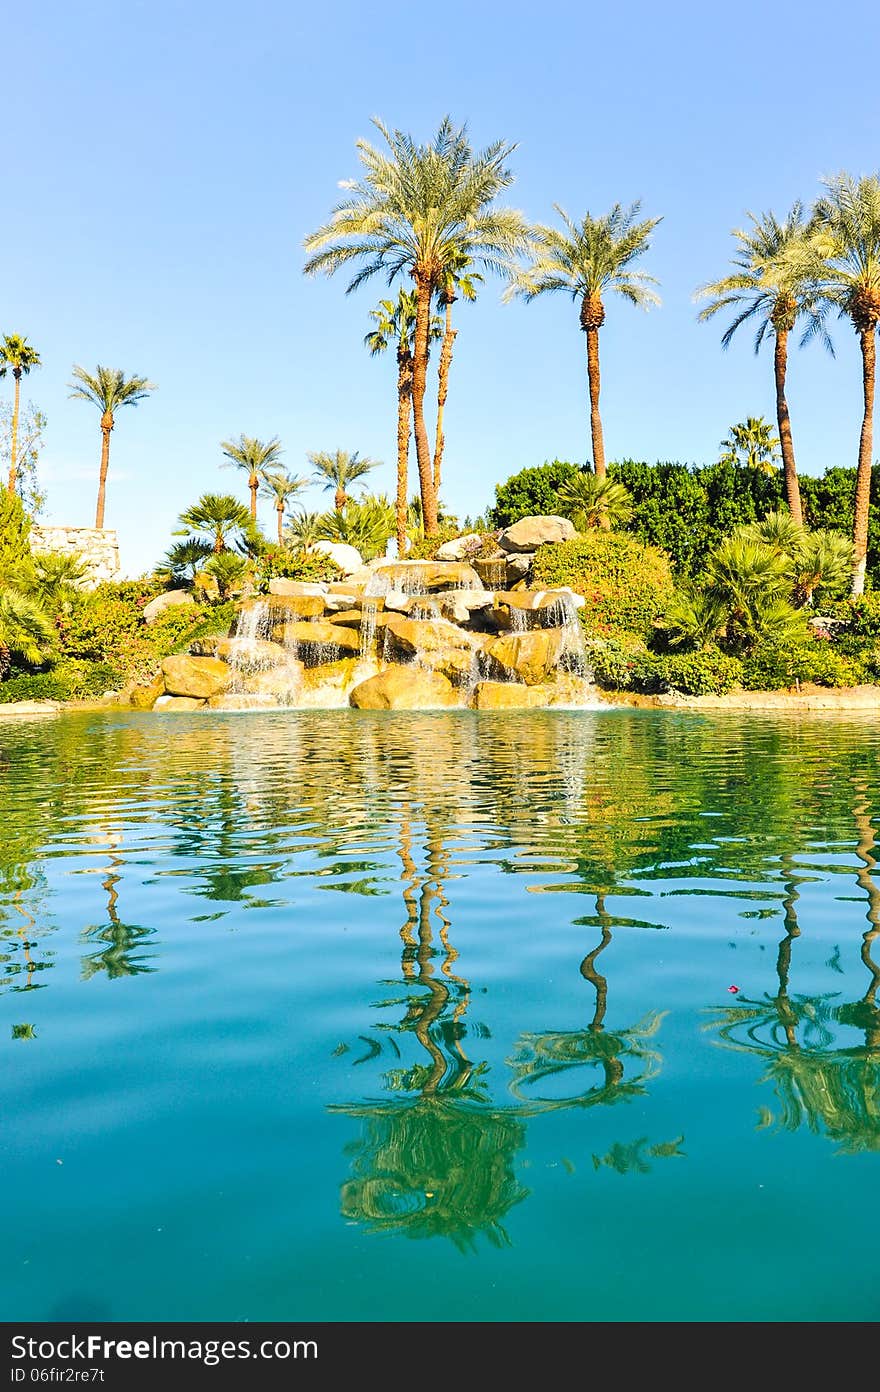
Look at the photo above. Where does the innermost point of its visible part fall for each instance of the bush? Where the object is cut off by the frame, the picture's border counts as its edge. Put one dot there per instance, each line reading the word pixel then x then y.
pixel 68 680
pixel 425 548
pixel 280 562
pixel 14 528
pixel 530 493
pixel 775 666
pixel 626 585
pixel 709 672
pixel 614 657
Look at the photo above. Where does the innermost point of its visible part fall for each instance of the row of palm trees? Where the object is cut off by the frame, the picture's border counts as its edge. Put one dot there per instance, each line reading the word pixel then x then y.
pixel 107 388
pixel 430 212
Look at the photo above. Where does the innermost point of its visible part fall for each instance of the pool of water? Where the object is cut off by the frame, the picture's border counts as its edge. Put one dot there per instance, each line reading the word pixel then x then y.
pixel 328 1015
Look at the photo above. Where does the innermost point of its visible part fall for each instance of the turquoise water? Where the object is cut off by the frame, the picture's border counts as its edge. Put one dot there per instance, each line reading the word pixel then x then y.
pixel 329 1015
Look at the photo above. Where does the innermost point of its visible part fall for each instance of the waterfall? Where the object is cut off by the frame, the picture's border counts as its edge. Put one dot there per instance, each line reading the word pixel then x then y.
pixel 369 610
pixel 254 623
pixel 574 652
pixel 251 657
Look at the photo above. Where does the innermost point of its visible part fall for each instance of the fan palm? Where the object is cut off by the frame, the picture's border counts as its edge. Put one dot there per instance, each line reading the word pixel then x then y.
pixel 417 210
pixel 752 582
pixel 772 287
pixel 367 525
pixel 217 515
pixel 228 570
pixel 108 389
pixel 587 260
pixel 53 579
pixel 339 471
pixel 752 444
pixel 254 457
pixel 694 619
pixel 594 502
pixel 17 355
pixel 457 281
pixel 778 530
pixel 26 630
pixel 187 555
pixel 281 487
pixel 847 226
pixel 822 565
pixel 303 530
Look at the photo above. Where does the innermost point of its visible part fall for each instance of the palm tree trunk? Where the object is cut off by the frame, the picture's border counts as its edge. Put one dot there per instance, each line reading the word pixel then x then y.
pixel 253 485
pixel 102 477
pixel 339 499
pixel 424 290
pixel 279 508
pixel 789 468
pixel 404 400
pixel 449 336
pixel 863 473
pixel 13 444
pixel 595 418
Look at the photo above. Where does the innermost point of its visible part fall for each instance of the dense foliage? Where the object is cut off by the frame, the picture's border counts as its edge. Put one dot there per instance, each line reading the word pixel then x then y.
pixel 626 585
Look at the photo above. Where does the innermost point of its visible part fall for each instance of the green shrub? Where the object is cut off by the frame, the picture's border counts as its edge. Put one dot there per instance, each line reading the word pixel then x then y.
pixel 626 585
pixel 776 666
pixel 425 548
pixel 68 680
pixel 614 657
pixel 14 528
pixel 34 686
pixel 281 562
pixel 530 493
pixel 708 672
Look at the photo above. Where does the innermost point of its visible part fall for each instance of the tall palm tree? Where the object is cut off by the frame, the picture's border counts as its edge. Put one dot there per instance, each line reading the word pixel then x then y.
pixel 339 471
pixel 456 281
pixel 752 444
pixel 587 260
pixel 304 529
pixel 218 515
pixel 417 210
pixel 108 389
pixel 254 457
pixel 771 288
pixel 847 226
pixel 280 487
pixel 19 356
pixel 395 322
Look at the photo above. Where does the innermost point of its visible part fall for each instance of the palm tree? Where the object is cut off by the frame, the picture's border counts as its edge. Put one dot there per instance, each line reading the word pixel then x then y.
pixel 26 630
pixel 771 287
pixel 366 525
pixel 108 390
pixel 456 281
pixel 847 225
pixel 254 457
pixel 395 322
pixel 16 353
pixel 594 502
pixel 587 260
pixel 339 471
pixel 280 487
pixel 418 210
pixel 304 529
pixel 217 515
pixel 752 444
pixel 187 555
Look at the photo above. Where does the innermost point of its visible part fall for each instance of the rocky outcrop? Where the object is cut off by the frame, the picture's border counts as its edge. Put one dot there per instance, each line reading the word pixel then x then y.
pixel 426 636
pixel 197 677
pixel 527 657
pixel 531 532
pixel 168 600
pixel 404 688
pixel 492 695
pixel 317 641
pixel 97 549
pixel 281 586
pixel 460 547
pixel 424 577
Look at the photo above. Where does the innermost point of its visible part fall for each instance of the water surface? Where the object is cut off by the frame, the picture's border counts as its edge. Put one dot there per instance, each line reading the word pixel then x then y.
pixel 560 1015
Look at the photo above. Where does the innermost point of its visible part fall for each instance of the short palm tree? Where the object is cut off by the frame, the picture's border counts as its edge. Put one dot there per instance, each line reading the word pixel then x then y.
pixel 228 569
pixel 303 530
pixel 366 524
pixel 847 227
pixel 694 619
pixel 822 566
pixel 587 260
pixel 752 583
pixel 108 389
pixel 594 502
pixel 778 530
pixel 254 457
pixel 17 356
pixel 54 580
pixel 280 486
pixel 752 444
pixel 187 556
pixel 339 471
pixel 771 288
pixel 417 210
pixel 26 630
pixel 217 515
pixel 458 281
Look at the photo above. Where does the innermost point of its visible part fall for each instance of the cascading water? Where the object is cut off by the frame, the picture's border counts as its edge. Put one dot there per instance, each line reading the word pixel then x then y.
pixel 369 610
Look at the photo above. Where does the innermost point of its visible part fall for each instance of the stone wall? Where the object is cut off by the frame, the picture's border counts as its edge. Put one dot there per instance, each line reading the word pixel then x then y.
pixel 98 549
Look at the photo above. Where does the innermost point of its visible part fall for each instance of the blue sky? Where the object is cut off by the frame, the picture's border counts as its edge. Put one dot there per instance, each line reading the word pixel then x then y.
pixel 168 160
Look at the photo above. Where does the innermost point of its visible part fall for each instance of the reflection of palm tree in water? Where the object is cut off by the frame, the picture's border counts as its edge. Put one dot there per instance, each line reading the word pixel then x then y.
pixel 436 1158
pixel 556 1054
pixel 121 940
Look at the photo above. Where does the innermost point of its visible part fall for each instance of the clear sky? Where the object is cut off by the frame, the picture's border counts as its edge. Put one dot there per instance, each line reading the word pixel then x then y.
pixel 163 162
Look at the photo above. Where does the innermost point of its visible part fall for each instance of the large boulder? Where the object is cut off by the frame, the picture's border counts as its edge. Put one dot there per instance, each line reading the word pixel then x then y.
pixel 198 677
pixel 527 657
pixel 531 532
pixel 404 688
pixel 491 695
pixel 460 547
pixel 519 563
pixel 280 586
pixel 250 653
pixel 318 641
pixel 427 576
pixel 309 606
pixel 168 600
pixel 415 637
pixel 144 695
pixel 539 599
pixel 348 558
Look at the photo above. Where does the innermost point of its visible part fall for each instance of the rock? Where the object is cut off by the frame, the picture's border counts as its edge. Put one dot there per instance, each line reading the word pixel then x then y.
pixel 397 600
pixel 351 587
pixel 428 576
pixel 348 558
pixel 491 695
pixel 531 532
pixel 404 688
pixel 250 652
pixel 243 701
pixel 296 587
pixel 458 605
pixel 144 695
pixel 457 665
pixel 528 657
pixel 337 600
pixel 532 600
pixel 349 618
pixel 460 547
pixel 179 703
pixel 29 707
pixel 278 682
pixel 420 636
pixel 519 563
pixel 168 600
pixel 309 606
pixel 198 677
pixel 319 641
